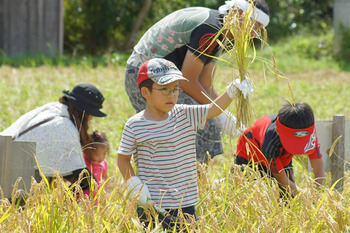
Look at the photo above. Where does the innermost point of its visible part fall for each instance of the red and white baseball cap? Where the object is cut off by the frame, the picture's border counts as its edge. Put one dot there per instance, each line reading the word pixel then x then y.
pixel 297 141
pixel 161 71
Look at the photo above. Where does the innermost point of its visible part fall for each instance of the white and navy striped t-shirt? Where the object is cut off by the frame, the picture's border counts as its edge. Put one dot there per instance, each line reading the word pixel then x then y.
pixel 166 154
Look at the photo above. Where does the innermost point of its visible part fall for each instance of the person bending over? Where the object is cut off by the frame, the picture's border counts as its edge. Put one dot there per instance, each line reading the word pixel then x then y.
pixel 272 141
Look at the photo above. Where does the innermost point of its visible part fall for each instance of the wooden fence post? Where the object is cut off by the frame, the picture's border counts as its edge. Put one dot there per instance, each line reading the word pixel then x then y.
pixel 338 156
pixel 16 160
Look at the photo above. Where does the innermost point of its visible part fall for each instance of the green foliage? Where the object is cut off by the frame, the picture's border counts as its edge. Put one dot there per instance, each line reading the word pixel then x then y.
pixel 343 56
pixel 318 47
pixel 73 24
pixel 296 54
pixel 89 25
pixel 96 27
pixel 301 53
pixel 87 61
pixel 162 8
pixel 294 16
pixel 119 58
pixel 159 9
pixel 125 16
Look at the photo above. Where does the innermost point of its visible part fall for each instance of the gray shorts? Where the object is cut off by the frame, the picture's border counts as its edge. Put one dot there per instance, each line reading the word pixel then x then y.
pixel 208 140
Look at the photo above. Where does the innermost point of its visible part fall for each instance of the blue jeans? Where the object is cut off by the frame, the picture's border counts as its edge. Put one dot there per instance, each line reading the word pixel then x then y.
pixel 167 223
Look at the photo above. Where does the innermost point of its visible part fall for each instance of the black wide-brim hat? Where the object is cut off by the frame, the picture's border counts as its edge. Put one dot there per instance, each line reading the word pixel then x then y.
pixel 86 98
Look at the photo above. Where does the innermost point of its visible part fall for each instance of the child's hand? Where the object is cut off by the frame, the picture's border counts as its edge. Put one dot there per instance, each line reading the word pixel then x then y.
pixel 136 187
pixel 227 123
pixel 217 182
pixel 237 86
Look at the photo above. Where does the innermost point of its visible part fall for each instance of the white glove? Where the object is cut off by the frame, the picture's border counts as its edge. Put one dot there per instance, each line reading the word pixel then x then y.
pixel 217 182
pixel 227 123
pixel 136 187
pixel 245 87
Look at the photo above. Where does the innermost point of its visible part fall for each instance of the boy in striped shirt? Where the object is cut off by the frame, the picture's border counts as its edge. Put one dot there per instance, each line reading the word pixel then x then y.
pixel 162 140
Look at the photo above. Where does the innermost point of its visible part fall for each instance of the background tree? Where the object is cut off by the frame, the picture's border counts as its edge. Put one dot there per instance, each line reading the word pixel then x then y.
pixel 96 27
pixel 138 23
pixel 289 17
pixel 89 25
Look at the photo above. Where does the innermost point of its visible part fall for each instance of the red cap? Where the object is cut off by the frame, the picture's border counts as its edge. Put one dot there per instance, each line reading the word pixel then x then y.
pixel 297 141
pixel 161 71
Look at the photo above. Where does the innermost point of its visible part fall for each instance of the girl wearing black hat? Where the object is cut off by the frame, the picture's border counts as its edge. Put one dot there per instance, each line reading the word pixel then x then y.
pixel 60 130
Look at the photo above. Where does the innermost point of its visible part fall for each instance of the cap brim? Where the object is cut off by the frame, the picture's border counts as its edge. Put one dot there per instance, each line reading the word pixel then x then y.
pixel 164 80
pixel 297 141
pixel 97 113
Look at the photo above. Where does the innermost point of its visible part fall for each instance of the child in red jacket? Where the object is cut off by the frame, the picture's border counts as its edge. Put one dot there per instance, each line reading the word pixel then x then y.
pixel 273 140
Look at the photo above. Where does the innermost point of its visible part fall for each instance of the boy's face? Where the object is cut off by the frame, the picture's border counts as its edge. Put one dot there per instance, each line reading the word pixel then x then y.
pixel 163 97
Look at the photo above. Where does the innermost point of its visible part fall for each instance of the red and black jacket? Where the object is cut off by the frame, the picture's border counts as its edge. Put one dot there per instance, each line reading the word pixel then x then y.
pixel 261 144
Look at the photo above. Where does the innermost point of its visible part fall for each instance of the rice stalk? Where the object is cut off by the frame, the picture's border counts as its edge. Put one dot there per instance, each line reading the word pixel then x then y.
pixel 238 32
pixel 240 27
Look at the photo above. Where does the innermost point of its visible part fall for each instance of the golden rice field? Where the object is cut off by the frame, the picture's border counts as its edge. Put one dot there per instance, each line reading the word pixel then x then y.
pixel 242 202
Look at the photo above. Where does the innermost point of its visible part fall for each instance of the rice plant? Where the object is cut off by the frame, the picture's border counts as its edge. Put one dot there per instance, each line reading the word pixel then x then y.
pixel 239 31
pixel 230 199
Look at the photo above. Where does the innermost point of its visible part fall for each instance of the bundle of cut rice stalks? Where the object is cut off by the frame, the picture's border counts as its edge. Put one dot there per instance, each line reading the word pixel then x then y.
pixel 238 31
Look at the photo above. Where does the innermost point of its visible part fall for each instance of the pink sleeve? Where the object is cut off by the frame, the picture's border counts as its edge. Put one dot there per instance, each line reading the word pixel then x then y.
pixel 105 166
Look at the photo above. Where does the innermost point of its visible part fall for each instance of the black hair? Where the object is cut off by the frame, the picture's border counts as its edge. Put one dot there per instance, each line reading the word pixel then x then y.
pixel 297 115
pixel 262 5
pixel 99 138
pixel 148 84
pixel 79 119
